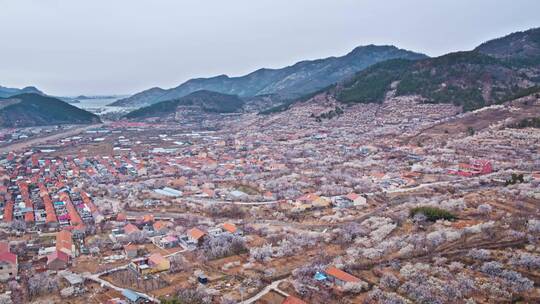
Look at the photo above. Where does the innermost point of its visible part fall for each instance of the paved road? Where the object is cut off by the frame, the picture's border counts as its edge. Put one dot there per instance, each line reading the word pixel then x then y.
pixel 41 140
pixel 215 201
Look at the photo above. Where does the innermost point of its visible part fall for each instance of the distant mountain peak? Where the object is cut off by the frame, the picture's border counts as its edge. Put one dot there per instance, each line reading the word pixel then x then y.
pixel 31 88
pixel 372 47
pixel 7 92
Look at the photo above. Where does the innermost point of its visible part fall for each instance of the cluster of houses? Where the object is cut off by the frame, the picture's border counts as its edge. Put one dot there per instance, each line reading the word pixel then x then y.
pixel 159 232
pixel 37 192
pixel 312 201
pixel 477 167
pixel 57 258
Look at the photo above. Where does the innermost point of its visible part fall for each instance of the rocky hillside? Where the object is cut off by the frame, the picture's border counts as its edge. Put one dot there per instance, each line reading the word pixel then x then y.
pixel 289 82
pixel 200 101
pixel 8 92
pixel 496 71
pixel 32 109
pixel 515 47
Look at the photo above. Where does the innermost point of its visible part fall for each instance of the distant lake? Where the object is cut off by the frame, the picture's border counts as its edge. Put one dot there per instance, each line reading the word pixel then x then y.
pixel 99 105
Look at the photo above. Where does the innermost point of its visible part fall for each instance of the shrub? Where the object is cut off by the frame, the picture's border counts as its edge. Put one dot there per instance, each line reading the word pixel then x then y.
pixel 531 122
pixel 484 209
pixel 515 179
pixel 389 281
pixel 433 213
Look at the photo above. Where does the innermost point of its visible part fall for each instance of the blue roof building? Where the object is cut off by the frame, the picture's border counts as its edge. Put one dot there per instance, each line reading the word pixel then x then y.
pixel 133 297
pixel 319 276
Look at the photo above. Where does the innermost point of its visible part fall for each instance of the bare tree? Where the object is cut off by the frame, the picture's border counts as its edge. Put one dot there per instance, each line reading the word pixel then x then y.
pixel 178 264
pixel 18 225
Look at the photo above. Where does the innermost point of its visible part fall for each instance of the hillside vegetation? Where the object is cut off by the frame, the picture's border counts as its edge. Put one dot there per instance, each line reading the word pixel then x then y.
pixel 204 101
pixel 492 73
pixel 27 110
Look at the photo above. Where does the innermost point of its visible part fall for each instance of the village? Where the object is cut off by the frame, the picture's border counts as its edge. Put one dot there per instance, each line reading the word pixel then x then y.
pixel 387 203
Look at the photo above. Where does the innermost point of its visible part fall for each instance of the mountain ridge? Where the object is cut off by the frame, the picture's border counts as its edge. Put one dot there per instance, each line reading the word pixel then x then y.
pixel 291 81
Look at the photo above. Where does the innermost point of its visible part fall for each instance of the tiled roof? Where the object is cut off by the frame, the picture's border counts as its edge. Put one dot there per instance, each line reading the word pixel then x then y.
pixel 57 255
pixel 229 227
pixel 352 196
pixel 130 247
pixel 64 240
pixel 8 257
pixel 121 217
pixel 159 225
pixel 156 259
pixel 341 275
pixel 196 233
pixel 4 247
pixel 130 228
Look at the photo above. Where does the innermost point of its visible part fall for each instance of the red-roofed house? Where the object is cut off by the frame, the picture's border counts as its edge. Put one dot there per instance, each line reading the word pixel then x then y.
pixel 160 227
pixel 158 262
pixel 231 228
pixel 339 276
pixel 168 241
pixel 57 260
pixel 208 192
pixel 8 263
pixel 478 167
pixel 152 264
pixel 130 228
pixel 146 219
pixel 4 247
pixel 64 242
pixel 121 217
pixel 195 235
pixel 131 251
pixel 8 212
pixel 356 199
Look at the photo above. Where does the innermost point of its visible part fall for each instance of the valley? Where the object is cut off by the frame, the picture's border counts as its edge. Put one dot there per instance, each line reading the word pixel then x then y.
pixel 381 176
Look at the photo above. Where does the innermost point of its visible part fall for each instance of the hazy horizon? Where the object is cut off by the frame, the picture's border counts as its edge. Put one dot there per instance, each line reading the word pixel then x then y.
pixel 125 46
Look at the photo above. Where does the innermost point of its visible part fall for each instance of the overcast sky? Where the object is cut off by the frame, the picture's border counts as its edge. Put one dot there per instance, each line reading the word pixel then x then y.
pixel 70 47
